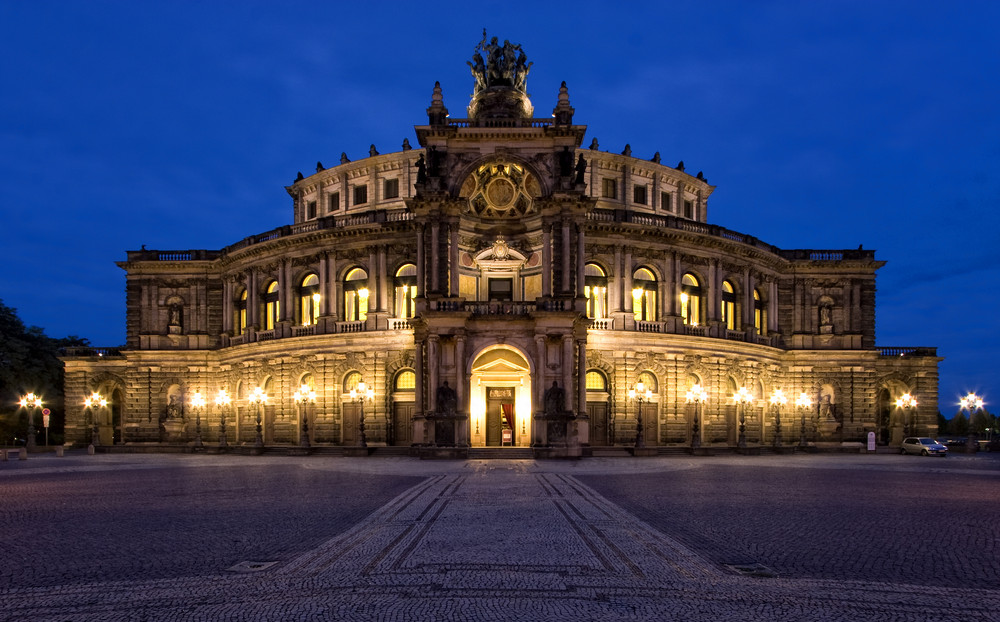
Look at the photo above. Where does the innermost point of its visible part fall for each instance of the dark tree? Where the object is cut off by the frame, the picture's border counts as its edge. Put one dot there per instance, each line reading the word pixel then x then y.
pixel 29 363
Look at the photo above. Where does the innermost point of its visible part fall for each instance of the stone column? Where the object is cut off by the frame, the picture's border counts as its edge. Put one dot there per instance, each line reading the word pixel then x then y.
pixel 333 306
pixel 711 296
pixel 581 261
pixel 568 371
pixel 373 281
pixel 435 248
pixel 383 277
pixel 253 301
pixel 324 302
pixel 581 347
pixel 227 305
pixel 565 257
pixel 614 292
pixel 421 285
pixel 432 372
pixel 460 373
pixel 627 285
pixel 546 260
pixel 453 261
pixel 748 303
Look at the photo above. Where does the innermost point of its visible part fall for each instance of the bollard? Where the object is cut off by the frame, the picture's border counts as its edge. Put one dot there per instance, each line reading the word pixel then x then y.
pixel 90 449
pixel 24 454
pixel 3 455
pixel 59 451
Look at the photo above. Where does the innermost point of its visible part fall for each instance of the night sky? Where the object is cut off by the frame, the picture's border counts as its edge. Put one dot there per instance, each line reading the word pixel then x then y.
pixel 824 125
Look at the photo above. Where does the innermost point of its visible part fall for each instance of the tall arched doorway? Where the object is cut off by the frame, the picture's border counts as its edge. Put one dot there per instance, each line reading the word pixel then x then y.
pixel 500 398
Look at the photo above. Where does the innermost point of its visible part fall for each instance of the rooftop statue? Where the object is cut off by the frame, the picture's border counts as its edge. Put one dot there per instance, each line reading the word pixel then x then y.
pixel 499 65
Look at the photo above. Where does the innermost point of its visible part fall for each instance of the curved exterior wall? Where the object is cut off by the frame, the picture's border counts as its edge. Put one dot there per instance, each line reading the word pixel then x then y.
pixel 507 231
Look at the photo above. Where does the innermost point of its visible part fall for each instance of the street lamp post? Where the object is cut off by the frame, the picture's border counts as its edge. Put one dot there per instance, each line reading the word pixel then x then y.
pixel 222 402
pixel 971 403
pixel 359 394
pixel 30 402
pixel 198 405
pixel 95 400
pixel 803 402
pixel 303 397
pixel 778 400
pixel 698 396
pixel 639 394
pixel 258 398
pixel 742 398
pixel 906 402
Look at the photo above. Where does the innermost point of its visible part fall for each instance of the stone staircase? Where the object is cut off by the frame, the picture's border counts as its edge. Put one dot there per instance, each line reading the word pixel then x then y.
pixel 501 453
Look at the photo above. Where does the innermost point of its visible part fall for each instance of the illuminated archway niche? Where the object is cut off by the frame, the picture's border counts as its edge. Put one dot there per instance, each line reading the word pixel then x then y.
pixel 502 368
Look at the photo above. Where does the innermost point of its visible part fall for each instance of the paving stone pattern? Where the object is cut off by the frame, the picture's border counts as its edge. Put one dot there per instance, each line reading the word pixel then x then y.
pixel 319 538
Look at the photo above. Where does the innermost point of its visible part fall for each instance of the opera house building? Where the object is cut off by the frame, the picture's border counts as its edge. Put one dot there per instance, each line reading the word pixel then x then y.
pixel 503 283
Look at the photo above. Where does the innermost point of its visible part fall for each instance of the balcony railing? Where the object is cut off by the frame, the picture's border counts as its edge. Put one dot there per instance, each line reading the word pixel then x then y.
pixel 301 331
pixel 400 323
pixel 90 351
pixel 351 327
pixel 902 351
pixel 650 327
pixel 664 221
pixel 604 323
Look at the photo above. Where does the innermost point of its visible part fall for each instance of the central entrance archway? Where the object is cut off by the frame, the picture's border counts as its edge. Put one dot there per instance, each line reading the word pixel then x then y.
pixel 500 398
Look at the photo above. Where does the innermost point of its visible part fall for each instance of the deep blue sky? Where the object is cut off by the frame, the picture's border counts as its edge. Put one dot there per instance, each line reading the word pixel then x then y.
pixel 823 124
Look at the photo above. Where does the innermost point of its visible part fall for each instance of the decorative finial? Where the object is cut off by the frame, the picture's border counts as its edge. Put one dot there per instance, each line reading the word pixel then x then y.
pixel 437 114
pixel 627 151
pixel 319 167
pixel 680 166
pixel 656 158
pixel 406 144
pixel 593 145
pixel 563 112
pixel 372 151
pixel 299 177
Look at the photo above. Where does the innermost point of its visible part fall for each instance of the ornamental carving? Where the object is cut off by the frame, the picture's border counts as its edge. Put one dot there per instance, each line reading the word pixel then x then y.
pixel 500 190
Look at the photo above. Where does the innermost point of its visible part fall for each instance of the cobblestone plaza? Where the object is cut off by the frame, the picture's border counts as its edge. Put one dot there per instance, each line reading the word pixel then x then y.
pixel 795 537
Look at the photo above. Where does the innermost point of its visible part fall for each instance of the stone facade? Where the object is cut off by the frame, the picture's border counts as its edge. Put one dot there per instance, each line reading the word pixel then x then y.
pixel 502 284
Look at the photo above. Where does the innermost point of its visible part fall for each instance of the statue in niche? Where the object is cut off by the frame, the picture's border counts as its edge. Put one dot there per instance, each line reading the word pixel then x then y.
pixel 565 162
pixel 827 409
pixel 173 408
pixel 825 315
pixel 447 400
pixel 554 399
pixel 581 169
pixel 421 170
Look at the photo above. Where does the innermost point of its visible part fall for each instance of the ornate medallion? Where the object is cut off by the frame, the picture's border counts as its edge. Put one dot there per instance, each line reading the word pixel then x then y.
pixel 500 190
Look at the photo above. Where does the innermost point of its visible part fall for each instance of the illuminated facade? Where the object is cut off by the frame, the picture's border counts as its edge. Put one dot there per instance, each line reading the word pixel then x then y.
pixel 502 284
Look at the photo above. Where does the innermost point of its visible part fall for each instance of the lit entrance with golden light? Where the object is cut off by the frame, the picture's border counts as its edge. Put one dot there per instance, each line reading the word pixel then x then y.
pixel 500 399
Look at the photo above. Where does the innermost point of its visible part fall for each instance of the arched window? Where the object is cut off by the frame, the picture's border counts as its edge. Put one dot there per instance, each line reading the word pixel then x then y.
pixel 758 313
pixel 596 290
pixel 271 309
pixel 351 381
pixel 690 300
pixel 644 295
pixel 309 298
pixel 406 381
pixel 241 313
pixel 596 381
pixel 728 305
pixel 405 285
pixel 356 295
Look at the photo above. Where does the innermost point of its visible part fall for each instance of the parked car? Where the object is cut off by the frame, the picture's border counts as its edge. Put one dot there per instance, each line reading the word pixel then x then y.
pixel 922 446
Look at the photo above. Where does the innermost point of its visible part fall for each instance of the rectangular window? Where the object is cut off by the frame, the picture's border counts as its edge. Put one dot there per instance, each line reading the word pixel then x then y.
pixel 639 195
pixel 360 195
pixel 501 289
pixel 688 209
pixel 610 187
pixel 665 202
pixel 334 202
pixel 310 210
pixel 391 188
